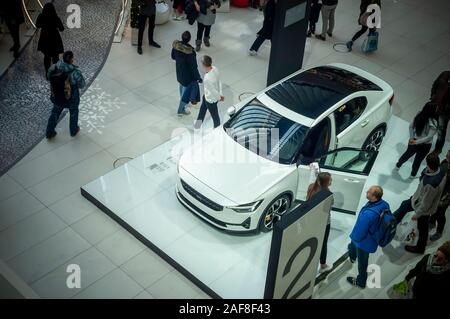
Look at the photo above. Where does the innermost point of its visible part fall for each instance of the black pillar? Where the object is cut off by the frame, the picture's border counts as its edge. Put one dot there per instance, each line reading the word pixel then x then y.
pixel 288 38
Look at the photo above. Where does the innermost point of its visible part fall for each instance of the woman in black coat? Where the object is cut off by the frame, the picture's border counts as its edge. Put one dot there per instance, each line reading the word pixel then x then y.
pixel 11 12
pixel 50 42
pixel 266 32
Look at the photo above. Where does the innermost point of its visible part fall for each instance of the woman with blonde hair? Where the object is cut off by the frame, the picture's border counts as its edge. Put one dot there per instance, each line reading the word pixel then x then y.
pixel 323 181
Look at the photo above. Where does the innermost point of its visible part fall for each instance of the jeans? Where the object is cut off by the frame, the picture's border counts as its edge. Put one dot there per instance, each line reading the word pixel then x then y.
pixel 151 28
pixel 312 26
pixel 328 19
pixel 182 104
pixel 201 28
pixel 212 108
pixel 422 222
pixel 420 151
pixel 362 256
pixel 257 44
pixel 440 218
pixel 442 131
pixel 48 60
pixel 56 112
pixel 362 31
pixel 188 94
pixel 323 252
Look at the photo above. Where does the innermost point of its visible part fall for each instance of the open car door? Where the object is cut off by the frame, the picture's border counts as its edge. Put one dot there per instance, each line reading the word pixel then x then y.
pixel 349 168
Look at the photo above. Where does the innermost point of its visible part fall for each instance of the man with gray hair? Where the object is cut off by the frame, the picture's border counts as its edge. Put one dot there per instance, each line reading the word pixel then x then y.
pixel 363 242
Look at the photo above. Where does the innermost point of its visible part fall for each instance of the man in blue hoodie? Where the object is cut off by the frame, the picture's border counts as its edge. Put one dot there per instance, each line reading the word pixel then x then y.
pixel 76 81
pixel 363 243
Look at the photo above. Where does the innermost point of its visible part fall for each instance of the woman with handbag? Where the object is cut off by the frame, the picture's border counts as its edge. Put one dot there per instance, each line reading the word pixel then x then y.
pixel 206 18
pixel 362 21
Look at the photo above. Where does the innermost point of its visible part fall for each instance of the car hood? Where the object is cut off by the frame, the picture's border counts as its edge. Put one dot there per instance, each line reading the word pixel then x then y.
pixel 231 170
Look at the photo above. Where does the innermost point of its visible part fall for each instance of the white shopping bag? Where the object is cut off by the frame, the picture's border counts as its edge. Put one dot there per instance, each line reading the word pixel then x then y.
pixel 407 232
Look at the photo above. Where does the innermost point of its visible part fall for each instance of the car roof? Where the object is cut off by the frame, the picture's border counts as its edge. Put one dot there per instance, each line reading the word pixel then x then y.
pixel 313 92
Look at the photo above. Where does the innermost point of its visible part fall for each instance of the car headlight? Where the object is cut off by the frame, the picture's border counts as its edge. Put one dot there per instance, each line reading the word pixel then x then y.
pixel 246 208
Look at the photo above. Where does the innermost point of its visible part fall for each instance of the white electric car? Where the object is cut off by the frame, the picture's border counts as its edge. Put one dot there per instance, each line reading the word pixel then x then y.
pixel 247 173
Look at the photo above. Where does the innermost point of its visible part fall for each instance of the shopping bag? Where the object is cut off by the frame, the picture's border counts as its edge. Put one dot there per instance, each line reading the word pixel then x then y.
pixel 401 290
pixel 370 44
pixel 408 232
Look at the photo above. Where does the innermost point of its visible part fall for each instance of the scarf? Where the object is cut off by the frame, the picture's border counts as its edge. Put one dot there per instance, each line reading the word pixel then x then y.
pixel 434 269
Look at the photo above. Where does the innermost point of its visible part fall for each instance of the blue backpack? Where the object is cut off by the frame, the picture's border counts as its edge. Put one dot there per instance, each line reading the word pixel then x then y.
pixel 385 229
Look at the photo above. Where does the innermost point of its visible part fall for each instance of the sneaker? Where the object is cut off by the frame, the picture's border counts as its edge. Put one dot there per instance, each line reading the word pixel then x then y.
pixel 198 45
pixel 206 41
pixel 354 282
pixel 412 177
pixel 436 236
pixel 187 111
pixel 252 52
pixel 325 268
pixel 50 135
pixel 349 45
pixel 321 37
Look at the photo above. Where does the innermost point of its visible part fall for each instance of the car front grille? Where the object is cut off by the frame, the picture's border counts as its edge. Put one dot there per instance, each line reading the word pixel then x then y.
pixel 202 199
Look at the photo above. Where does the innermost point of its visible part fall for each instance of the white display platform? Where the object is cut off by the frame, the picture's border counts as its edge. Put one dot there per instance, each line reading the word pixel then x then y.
pixel 140 195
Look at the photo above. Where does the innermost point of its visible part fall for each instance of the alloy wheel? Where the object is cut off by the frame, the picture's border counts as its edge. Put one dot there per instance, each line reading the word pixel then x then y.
pixel 275 211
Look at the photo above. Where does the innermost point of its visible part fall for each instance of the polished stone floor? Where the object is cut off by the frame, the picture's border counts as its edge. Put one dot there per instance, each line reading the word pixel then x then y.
pixel 45 224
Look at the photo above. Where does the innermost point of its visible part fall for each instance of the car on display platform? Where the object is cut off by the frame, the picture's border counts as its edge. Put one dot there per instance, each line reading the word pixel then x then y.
pixel 246 174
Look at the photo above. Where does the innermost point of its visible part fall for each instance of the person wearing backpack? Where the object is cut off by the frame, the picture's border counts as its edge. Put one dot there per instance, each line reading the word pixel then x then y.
pixel 363 241
pixel 362 11
pixel 66 80
pixel 424 202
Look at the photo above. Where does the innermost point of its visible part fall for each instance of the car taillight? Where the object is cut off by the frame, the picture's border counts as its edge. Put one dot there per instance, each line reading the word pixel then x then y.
pixel 391 100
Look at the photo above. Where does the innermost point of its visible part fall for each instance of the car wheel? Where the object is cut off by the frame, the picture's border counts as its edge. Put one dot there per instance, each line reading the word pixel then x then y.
pixel 276 209
pixel 374 140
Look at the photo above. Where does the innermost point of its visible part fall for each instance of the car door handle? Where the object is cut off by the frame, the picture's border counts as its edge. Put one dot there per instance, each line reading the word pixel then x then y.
pixel 351 180
pixel 364 123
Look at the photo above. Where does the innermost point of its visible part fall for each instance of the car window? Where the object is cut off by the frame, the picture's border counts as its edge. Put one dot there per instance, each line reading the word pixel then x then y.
pixel 266 133
pixel 316 143
pixel 349 112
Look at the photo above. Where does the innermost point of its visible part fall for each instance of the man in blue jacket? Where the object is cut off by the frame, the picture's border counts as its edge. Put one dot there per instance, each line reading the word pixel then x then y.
pixel 363 243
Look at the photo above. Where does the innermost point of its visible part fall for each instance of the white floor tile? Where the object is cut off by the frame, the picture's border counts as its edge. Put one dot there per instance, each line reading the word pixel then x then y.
pixel 73 208
pixel 115 285
pixel 17 208
pixel 28 232
pixel 175 286
pixel 144 295
pixel 8 187
pixel 93 266
pixel 95 227
pixel 41 259
pixel 120 247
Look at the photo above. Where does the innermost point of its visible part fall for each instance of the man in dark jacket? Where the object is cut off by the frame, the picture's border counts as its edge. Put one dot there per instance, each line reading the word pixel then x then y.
pixel 444 202
pixel 362 242
pixel 11 12
pixel 432 275
pixel 362 10
pixel 266 32
pixel 440 94
pixel 187 72
pixel 147 10
pixel 424 202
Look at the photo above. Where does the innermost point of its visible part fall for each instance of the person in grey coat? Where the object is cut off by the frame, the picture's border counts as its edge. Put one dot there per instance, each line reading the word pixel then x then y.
pixel 424 202
pixel 206 18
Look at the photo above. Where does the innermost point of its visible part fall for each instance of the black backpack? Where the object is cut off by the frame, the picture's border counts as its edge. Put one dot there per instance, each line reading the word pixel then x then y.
pixel 60 87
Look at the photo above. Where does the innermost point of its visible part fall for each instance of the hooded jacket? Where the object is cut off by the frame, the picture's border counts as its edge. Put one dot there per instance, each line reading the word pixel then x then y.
pixel 366 224
pixel 186 63
pixel 76 79
pixel 426 199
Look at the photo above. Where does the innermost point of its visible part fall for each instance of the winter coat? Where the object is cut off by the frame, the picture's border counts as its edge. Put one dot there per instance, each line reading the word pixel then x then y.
pixel 269 20
pixel 440 93
pixel 11 11
pixel 425 200
pixel 186 63
pixel 426 284
pixel 207 16
pixel 428 132
pixel 50 42
pixel 147 8
pixel 76 79
pixel 366 225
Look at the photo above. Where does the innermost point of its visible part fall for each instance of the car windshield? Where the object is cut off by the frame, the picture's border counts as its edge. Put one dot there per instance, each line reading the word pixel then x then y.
pixel 266 132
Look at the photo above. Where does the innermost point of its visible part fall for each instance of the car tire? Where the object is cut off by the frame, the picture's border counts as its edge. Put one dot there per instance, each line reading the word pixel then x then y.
pixel 374 140
pixel 282 202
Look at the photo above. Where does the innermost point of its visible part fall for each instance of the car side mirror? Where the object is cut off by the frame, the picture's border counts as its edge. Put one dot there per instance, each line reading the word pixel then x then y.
pixel 231 111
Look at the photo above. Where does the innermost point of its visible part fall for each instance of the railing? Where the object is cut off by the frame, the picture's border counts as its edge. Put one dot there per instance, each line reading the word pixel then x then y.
pixel 27 14
pixel 122 13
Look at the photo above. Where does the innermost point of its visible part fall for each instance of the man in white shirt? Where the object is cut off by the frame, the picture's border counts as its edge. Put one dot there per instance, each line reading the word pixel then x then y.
pixel 212 93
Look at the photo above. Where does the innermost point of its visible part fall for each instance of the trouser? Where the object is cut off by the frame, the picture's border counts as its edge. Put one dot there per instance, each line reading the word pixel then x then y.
pixel 56 112
pixel 48 60
pixel 420 151
pixel 422 222
pixel 362 256
pixel 151 28
pixel 203 30
pixel 440 218
pixel 14 30
pixel 212 108
pixel 257 43
pixel 312 26
pixel 328 19
pixel 323 252
pixel 442 132
pixel 362 31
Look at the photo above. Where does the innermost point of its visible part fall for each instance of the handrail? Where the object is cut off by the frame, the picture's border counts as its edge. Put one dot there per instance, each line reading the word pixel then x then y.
pixel 122 13
pixel 27 14
pixel 40 4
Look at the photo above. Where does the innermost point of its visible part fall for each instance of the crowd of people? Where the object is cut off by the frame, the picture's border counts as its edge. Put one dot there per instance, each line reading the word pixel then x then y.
pixel 431 198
